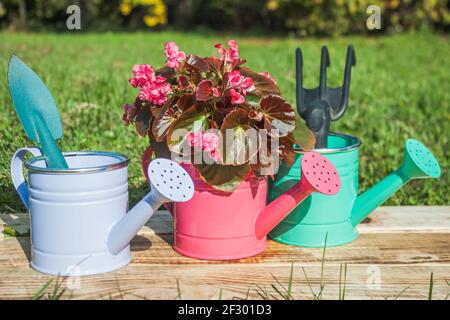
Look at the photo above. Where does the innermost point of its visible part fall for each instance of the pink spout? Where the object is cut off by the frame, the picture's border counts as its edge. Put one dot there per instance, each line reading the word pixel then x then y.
pixel 317 175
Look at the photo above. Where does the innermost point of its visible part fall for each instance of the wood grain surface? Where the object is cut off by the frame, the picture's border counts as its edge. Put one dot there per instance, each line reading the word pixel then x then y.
pixel 393 258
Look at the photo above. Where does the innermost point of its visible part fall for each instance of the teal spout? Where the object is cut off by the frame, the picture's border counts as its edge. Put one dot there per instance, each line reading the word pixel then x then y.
pixel 418 163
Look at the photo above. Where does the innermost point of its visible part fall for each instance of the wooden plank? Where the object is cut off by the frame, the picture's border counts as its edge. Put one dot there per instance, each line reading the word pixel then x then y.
pixel 401 246
pixel 235 280
pixel 426 219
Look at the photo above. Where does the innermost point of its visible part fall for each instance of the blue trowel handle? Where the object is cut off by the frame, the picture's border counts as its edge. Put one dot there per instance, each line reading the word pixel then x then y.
pixel 53 156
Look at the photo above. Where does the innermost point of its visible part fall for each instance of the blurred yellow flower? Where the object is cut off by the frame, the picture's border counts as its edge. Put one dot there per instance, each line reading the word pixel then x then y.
pixel 156 11
pixel 125 8
pixel 272 5
pixel 150 21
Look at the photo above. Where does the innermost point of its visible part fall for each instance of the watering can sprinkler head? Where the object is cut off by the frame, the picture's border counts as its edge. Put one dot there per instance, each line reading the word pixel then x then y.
pixel 418 163
pixel 169 183
pixel 317 175
pixel 323 104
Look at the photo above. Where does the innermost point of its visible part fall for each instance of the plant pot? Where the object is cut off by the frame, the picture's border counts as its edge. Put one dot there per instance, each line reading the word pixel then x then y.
pixel 216 225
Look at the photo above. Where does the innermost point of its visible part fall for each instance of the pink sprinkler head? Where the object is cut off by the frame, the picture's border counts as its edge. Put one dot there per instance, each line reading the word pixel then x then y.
pixel 319 174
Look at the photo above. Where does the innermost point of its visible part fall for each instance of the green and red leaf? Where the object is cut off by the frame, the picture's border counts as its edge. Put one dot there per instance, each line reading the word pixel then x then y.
pixel 263 86
pixel 194 119
pixel 215 64
pixel 238 145
pixel 183 82
pixel 195 63
pixel 185 102
pixel 223 178
pixel 143 121
pixel 166 72
pixel 161 125
pixel 304 137
pixel 204 91
pixel 278 116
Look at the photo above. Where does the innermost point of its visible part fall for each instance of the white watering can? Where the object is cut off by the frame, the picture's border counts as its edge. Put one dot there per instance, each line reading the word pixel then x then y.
pixel 79 219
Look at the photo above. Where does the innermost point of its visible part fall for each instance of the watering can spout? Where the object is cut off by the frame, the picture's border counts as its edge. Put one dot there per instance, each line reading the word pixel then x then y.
pixel 317 175
pixel 418 163
pixel 169 183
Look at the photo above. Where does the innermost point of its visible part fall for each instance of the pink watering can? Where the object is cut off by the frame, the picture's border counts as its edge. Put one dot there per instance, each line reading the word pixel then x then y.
pixel 216 225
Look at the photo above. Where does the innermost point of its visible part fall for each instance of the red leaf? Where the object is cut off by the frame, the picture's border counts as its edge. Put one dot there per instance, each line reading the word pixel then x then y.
pixel 185 101
pixel 215 64
pixel 196 63
pixel 279 116
pixel 204 90
pixel 161 125
pixel 166 72
pixel 143 121
pixel 263 86
pixel 183 81
pixel 146 159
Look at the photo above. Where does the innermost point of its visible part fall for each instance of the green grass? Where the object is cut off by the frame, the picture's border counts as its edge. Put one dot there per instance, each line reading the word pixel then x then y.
pixel 400 88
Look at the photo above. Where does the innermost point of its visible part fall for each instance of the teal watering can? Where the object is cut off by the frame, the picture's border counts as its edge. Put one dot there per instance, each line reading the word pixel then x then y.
pixel 335 217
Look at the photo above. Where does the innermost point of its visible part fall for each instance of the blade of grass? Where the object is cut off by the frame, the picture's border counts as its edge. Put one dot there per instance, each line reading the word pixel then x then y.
pixel 430 289
pixel 178 297
pixel 342 288
pixel 41 292
pixel 401 292
pixel 291 279
pixel 309 283
pixel 322 286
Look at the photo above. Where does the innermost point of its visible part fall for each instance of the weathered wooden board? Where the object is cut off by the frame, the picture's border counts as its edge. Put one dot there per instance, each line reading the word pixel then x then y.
pixel 397 251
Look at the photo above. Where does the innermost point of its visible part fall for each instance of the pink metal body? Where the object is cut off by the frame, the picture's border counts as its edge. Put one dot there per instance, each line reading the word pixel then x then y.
pixel 216 225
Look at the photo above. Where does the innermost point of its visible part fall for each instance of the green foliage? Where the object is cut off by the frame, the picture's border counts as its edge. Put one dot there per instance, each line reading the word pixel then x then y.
pixel 400 89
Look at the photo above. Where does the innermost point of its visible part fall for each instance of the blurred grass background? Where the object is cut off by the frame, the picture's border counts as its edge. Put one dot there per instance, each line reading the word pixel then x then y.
pixel 400 88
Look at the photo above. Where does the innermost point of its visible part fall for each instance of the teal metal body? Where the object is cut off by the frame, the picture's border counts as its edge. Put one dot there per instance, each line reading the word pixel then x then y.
pixel 334 217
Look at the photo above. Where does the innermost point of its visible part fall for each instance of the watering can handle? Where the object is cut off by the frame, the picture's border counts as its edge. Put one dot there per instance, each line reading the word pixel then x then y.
pixel 17 172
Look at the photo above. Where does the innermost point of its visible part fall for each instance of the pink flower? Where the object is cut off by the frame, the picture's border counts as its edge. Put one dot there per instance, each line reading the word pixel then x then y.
pixel 228 55
pixel 246 84
pixel 173 54
pixel 234 78
pixel 238 81
pixel 192 140
pixel 267 75
pixel 214 154
pixel 209 141
pixel 216 92
pixel 234 50
pixel 142 74
pixel 221 50
pixel 129 113
pixel 236 97
pixel 156 92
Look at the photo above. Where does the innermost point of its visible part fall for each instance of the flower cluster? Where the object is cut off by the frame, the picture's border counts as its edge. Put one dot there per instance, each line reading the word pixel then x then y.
pixel 239 86
pixel 228 55
pixel 207 141
pixel 174 55
pixel 153 88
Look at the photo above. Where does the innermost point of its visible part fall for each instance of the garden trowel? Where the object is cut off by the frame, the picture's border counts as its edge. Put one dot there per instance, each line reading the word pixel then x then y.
pixel 37 110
